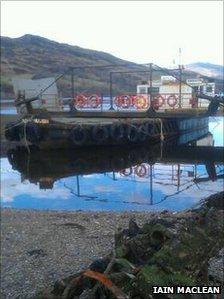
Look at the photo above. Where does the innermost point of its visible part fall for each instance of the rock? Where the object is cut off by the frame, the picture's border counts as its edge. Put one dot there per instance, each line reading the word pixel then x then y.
pixel 167 251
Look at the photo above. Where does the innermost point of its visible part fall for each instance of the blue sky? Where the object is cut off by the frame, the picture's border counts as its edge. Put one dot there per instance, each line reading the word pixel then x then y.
pixel 139 31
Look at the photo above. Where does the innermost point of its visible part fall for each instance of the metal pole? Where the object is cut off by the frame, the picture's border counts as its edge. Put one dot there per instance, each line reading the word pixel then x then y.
pixel 78 186
pixel 72 82
pixel 178 177
pixel 180 86
pixel 151 187
pixel 150 85
pixel 73 91
pixel 111 90
pixel 101 106
pixel 150 81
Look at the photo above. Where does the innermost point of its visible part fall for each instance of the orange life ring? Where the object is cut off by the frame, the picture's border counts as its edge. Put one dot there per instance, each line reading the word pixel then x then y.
pixel 158 101
pixel 126 172
pixel 141 170
pixel 116 101
pixel 132 99
pixel 140 101
pixel 123 101
pixel 80 100
pixel 94 100
pixel 172 100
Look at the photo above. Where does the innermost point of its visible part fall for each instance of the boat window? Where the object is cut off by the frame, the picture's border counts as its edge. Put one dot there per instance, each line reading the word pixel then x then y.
pixel 142 90
pixel 208 88
pixel 154 90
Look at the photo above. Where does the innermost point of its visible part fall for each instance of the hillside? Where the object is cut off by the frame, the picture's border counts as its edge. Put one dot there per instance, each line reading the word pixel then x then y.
pixel 207 69
pixel 36 57
pixel 32 56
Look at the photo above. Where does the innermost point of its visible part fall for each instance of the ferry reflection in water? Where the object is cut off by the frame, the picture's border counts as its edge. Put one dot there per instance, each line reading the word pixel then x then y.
pixel 140 179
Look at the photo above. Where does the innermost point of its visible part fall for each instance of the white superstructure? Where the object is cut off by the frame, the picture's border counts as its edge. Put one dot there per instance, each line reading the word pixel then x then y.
pixel 169 86
pixel 29 88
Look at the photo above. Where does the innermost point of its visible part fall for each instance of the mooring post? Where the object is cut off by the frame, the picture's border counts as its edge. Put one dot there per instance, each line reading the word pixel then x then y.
pixel 111 95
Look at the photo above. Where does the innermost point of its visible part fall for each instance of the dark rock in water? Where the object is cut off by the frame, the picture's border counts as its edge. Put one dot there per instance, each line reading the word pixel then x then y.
pixel 169 250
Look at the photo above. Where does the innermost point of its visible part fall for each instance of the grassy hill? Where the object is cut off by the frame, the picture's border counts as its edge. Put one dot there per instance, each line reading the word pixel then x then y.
pixel 36 57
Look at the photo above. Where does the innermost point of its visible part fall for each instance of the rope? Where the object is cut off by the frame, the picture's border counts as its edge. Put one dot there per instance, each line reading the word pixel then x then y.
pixel 23 121
pixel 24 131
pixel 6 129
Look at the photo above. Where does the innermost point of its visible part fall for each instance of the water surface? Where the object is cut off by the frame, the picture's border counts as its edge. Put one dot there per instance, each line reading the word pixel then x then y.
pixel 137 179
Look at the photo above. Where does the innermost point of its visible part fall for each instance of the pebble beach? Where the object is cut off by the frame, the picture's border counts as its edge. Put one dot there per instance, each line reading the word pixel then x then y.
pixel 40 247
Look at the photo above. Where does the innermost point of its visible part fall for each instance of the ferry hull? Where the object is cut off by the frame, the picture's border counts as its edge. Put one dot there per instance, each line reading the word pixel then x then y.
pixel 86 132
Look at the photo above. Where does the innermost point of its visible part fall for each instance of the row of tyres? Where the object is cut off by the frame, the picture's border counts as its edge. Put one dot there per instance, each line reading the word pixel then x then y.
pixel 193 123
pixel 116 132
pixel 81 135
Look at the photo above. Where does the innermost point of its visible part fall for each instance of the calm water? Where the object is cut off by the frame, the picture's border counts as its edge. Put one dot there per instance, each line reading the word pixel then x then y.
pixel 139 179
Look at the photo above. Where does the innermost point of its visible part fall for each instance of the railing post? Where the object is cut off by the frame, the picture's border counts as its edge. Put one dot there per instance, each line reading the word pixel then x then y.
pixel 150 82
pixel 101 102
pixel 73 91
pixel 151 186
pixel 180 86
pixel 111 92
pixel 150 85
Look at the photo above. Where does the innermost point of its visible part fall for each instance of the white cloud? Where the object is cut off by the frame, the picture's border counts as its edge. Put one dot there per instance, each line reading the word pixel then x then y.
pixel 11 186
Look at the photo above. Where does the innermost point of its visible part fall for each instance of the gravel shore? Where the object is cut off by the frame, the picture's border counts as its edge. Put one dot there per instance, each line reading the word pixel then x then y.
pixel 40 247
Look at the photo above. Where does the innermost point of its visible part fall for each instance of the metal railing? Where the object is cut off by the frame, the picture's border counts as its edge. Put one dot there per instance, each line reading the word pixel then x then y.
pixel 136 102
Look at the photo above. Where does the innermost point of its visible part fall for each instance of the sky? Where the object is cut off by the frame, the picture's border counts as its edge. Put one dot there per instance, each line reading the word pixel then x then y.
pixel 138 31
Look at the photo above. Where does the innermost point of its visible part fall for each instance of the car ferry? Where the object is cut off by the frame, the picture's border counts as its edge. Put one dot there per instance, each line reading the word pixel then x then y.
pixel 95 120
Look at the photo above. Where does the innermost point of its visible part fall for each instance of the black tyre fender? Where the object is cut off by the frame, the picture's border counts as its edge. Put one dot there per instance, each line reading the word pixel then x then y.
pixel 12 131
pixel 148 128
pixel 100 133
pixel 132 133
pixel 78 135
pixel 141 133
pixel 117 131
pixel 33 132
